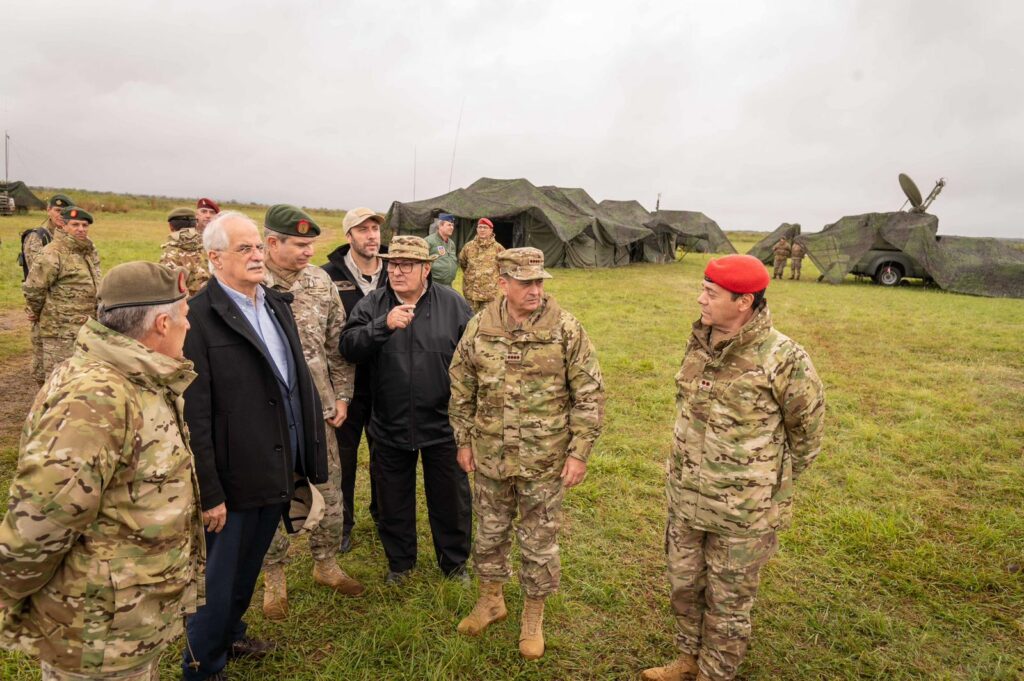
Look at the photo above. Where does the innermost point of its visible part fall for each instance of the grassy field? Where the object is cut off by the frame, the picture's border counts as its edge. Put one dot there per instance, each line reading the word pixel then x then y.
pixel 901 560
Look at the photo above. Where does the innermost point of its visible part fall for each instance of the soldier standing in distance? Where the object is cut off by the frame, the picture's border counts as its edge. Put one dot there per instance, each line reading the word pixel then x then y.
pixel 796 255
pixel 60 291
pixel 527 406
pixel 96 574
pixel 442 245
pixel 781 251
pixel 750 414
pixel 479 262
pixel 184 249
pixel 289 234
pixel 206 210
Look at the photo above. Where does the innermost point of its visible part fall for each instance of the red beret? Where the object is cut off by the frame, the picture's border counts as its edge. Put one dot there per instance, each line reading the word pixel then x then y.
pixel 485 221
pixel 208 203
pixel 738 273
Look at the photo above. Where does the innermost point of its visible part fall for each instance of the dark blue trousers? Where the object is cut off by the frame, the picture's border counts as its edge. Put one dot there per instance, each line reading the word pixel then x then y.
pixel 234 557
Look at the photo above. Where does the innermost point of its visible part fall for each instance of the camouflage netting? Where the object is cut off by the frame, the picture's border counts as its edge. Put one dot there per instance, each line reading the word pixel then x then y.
pixel 23 196
pixel 978 266
pixel 762 250
pixel 567 224
pixel 693 231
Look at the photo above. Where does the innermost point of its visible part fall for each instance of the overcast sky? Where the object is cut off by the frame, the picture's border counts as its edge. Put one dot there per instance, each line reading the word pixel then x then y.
pixel 755 113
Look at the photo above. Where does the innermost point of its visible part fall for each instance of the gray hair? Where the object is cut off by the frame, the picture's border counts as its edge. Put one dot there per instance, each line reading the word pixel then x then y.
pixel 135 321
pixel 215 238
pixel 267 233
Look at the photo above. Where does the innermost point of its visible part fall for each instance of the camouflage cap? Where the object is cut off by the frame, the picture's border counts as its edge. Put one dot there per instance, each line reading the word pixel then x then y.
pixel 59 201
pixel 75 213
pixel 408 247
pixel 181 213
pixel 356 216
pixel 140 283
pixel 306 509
pixel 289 220
pixel 524 264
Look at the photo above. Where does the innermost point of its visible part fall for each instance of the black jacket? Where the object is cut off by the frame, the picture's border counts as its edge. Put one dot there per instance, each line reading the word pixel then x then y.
pixel 408 367
pixel 351 294
pixel 235 411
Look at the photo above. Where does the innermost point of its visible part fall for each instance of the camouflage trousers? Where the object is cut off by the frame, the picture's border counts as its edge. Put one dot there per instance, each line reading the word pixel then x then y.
pixel 794 268
pixel 53 351
pixel 714 580
pixel 539 505
pixel 147 672
pixel 37 355
pixel 780 267
pixel 325 539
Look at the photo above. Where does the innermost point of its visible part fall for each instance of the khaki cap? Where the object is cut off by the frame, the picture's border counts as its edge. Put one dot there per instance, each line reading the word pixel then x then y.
pixel 306 509
pixel 356 216
pixel 408 247
pixel 524 264
pixel 140 283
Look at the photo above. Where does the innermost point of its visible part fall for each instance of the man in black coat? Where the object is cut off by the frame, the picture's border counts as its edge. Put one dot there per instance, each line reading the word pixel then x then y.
pixel 255 422
pixel 407 333
pixel 357 270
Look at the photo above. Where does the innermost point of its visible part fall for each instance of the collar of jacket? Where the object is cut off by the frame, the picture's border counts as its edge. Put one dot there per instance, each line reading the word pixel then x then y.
pixel 220 300
pixel 276 277
pixel 138 363
pixel 187 239
pixel 337 258
pixel 425 298
pixel 541 324
pixel 83 246
pixel 754 331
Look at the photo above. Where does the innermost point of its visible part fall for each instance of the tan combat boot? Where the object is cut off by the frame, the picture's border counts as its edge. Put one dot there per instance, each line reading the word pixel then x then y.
pixel 682 669
pixel 275 593
pixel 328 573
pixel 489 608
pixel 531 629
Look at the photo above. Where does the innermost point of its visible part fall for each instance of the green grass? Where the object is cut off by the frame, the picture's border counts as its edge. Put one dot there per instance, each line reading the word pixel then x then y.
pixel 895 567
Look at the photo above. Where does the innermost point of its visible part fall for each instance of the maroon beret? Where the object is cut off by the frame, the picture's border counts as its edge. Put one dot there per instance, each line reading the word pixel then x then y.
pixel 486 222
pixel 208 203
pixel 738 273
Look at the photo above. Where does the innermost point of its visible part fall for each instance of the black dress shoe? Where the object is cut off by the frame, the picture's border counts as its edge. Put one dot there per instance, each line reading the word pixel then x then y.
pixel 250 647
pixel 346 543
pixel 397 577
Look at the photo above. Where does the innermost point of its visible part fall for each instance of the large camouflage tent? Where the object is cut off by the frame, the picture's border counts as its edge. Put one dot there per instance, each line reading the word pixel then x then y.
pixel 24 199
pixel 692 230
pixel 566 224
pixel 762 250
pixel 978 266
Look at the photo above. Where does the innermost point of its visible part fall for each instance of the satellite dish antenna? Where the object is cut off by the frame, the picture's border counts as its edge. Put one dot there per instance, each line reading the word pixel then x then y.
pixel 910 189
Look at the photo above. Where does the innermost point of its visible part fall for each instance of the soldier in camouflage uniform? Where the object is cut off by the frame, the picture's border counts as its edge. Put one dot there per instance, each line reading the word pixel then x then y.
pixel 781 252
pixel 479 262
pixel 60 291
pixel 184 249
pixel 289 234
pixel 796 255
pixel 101 550
pixel 527 406
pixel 750 410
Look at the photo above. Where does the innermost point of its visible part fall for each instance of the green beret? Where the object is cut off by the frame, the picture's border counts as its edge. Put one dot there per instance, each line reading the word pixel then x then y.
pixel 59 201
pixel 76 213
pixel 285 219
pixel 135 284
pixel 180 213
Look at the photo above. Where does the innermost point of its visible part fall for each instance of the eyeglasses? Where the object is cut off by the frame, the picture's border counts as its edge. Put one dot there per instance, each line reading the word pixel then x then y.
pixel 403 267
pixel 246 250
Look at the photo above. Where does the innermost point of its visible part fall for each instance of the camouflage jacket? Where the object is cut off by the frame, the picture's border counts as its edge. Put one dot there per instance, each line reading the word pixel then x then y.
pixel 749 418
pixel 781 249
pixel 61 286
pixel 528 397
pixel 184 250
pixel 33 245
pixel 797 252
pixel 479 262
pixel 320 317
pixel 102 550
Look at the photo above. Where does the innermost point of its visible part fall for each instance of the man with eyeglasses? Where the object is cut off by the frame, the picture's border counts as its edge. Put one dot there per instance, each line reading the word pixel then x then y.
pixel 257 429
pixel 406 333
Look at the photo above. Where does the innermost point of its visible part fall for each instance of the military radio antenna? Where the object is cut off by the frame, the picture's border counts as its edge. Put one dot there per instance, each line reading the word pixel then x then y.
pixel 458 126
pixel 7 157
pixel 414 173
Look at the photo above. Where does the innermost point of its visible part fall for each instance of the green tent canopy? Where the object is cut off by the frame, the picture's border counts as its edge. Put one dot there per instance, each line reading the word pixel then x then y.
pixel 24 199
pixel 762 250
pixel 693 231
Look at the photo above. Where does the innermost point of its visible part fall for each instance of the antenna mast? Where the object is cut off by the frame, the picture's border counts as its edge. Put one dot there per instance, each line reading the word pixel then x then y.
pixel 458 126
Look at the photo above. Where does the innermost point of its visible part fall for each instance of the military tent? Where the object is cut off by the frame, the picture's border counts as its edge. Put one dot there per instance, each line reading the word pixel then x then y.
pixel 24 199
pixel 564 223
pixel 693 231
pixel 762 250
pixel 978 266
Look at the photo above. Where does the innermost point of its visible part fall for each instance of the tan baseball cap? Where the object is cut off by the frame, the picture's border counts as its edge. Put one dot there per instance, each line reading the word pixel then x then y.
pixel 524 264
pixel 356 216
pixel 306 509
